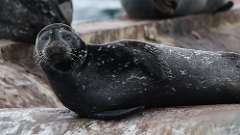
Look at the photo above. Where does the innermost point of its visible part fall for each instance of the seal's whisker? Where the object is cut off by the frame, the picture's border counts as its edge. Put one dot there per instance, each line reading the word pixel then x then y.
pixel 41 58
pixel 74 55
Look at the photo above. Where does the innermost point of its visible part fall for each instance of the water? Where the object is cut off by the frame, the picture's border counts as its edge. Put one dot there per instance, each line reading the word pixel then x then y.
pixel 95 10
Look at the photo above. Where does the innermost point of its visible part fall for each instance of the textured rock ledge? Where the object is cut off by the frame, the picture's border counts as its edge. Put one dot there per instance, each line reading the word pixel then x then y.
pixel 202 120
pixel 19 88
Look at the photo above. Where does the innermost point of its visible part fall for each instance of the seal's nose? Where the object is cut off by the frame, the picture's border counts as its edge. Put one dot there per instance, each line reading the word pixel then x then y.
pixel 55 49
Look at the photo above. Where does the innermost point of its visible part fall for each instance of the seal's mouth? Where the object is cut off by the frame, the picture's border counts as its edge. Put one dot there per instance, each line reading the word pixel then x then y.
pixel 61 57
pixel 63 66
pixel 58 56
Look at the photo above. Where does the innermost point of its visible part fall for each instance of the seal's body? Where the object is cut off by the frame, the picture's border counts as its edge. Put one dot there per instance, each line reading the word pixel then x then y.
pixel 142 9
pixel 186 7
pixel 157 9
pixel 116 79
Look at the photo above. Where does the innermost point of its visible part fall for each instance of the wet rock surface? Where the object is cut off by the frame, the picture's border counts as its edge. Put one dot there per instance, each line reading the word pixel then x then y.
pixel 19 88
pixel 21 20
pixel 203 120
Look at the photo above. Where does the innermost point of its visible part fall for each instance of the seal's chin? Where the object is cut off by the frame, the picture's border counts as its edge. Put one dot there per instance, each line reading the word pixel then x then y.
pixel 63 66
pixel 60 61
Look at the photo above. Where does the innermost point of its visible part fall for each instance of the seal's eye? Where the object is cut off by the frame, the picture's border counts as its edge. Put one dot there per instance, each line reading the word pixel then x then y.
pixel 67 37
pixel 45 38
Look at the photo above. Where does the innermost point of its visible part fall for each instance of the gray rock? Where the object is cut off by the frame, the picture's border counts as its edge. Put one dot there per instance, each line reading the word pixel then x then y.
pixel 19 88
pixel 206 120
pixel 21 20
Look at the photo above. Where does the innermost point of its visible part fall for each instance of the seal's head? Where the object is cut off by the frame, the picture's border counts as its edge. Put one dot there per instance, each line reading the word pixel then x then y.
pixel 59 47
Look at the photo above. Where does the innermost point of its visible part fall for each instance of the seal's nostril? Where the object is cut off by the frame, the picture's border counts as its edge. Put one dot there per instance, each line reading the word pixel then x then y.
pixel 55 51
pixel 60 50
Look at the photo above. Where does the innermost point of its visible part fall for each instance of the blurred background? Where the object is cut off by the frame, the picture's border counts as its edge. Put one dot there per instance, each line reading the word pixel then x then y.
pixel 95 10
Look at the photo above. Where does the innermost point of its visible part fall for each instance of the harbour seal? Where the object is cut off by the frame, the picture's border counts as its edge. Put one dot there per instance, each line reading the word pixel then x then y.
pixel 113 80
pixel 157 9
pixel 143 9
pixel 21 20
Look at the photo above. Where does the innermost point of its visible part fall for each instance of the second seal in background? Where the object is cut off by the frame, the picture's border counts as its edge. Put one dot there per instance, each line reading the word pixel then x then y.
pixel 158 9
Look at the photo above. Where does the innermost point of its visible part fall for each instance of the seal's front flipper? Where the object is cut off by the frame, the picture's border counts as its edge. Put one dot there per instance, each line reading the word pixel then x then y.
pixel 231 55
pixel 234 57
pixel 116 114
pixel 225 7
